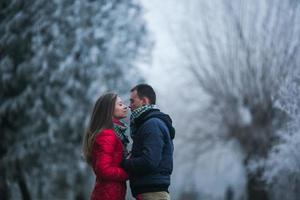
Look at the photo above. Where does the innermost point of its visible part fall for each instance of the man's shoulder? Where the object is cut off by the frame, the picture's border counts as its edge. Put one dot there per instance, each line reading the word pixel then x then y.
pixel 161 121
pixel 153 126
pixel 158 117
pixel 153 121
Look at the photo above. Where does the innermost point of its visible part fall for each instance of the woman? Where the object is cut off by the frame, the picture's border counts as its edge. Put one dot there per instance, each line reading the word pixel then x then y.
pixel 103 147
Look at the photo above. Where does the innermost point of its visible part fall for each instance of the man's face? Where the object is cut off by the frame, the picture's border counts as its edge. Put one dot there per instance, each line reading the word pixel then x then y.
pixel 135 101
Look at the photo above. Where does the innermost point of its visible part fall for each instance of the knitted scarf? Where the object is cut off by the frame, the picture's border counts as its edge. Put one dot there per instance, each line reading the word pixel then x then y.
pixel 120 129
pixel 140 110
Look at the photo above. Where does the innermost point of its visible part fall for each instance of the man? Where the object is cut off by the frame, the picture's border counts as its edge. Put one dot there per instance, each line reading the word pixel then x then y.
pixel 151 162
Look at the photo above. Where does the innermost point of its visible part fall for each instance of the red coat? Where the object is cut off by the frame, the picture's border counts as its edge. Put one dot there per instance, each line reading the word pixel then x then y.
pixel 106 158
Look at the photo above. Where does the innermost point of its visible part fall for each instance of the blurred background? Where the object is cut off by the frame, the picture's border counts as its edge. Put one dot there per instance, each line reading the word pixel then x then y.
pixel 228 73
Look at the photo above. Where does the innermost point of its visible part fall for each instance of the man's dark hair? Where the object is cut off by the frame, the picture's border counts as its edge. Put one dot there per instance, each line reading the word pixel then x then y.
pixel 145 90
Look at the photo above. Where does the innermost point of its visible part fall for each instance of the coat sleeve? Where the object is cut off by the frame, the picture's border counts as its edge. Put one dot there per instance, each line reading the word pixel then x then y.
pixel 104 167
pixel 152 148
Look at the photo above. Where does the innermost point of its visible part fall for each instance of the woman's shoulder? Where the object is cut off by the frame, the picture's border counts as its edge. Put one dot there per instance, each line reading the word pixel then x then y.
pixel 105 133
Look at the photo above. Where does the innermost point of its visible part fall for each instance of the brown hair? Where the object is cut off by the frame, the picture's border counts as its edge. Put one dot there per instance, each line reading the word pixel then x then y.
pixel 101 119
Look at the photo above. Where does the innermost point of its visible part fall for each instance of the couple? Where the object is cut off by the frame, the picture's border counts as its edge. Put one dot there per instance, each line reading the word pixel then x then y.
pixel 150 163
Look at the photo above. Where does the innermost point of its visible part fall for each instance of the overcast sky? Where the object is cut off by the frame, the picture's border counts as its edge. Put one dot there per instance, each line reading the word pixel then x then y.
pixel 162 71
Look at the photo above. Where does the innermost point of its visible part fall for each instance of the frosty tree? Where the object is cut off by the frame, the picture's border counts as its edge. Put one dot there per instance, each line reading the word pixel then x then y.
pixel 55 58
pixel 240 54
pixel 282 167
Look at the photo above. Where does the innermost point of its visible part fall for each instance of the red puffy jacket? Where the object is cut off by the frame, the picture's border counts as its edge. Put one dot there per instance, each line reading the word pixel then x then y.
pixel 106 158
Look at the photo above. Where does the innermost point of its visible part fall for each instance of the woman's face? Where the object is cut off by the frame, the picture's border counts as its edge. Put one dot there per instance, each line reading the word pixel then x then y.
pixel 120 111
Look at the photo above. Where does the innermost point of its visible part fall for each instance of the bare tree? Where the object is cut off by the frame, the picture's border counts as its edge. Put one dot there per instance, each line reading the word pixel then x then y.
pixel 240 52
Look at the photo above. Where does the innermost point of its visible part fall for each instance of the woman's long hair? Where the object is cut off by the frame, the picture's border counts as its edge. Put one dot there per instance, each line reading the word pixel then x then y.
pixel 101 119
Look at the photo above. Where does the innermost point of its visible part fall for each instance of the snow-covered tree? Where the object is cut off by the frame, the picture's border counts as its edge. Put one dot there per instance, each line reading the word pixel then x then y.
pixel 56 57
pixel 282 167
pixel 240 53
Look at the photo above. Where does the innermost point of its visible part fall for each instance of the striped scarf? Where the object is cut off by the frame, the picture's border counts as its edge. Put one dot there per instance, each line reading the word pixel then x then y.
pixel 120 129
pixel 140 110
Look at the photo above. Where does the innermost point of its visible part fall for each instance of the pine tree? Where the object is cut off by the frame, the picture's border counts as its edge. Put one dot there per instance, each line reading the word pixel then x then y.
pixel 56 58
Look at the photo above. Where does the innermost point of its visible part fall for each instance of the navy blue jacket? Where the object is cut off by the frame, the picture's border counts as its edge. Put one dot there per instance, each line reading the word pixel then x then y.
pixel 151 162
